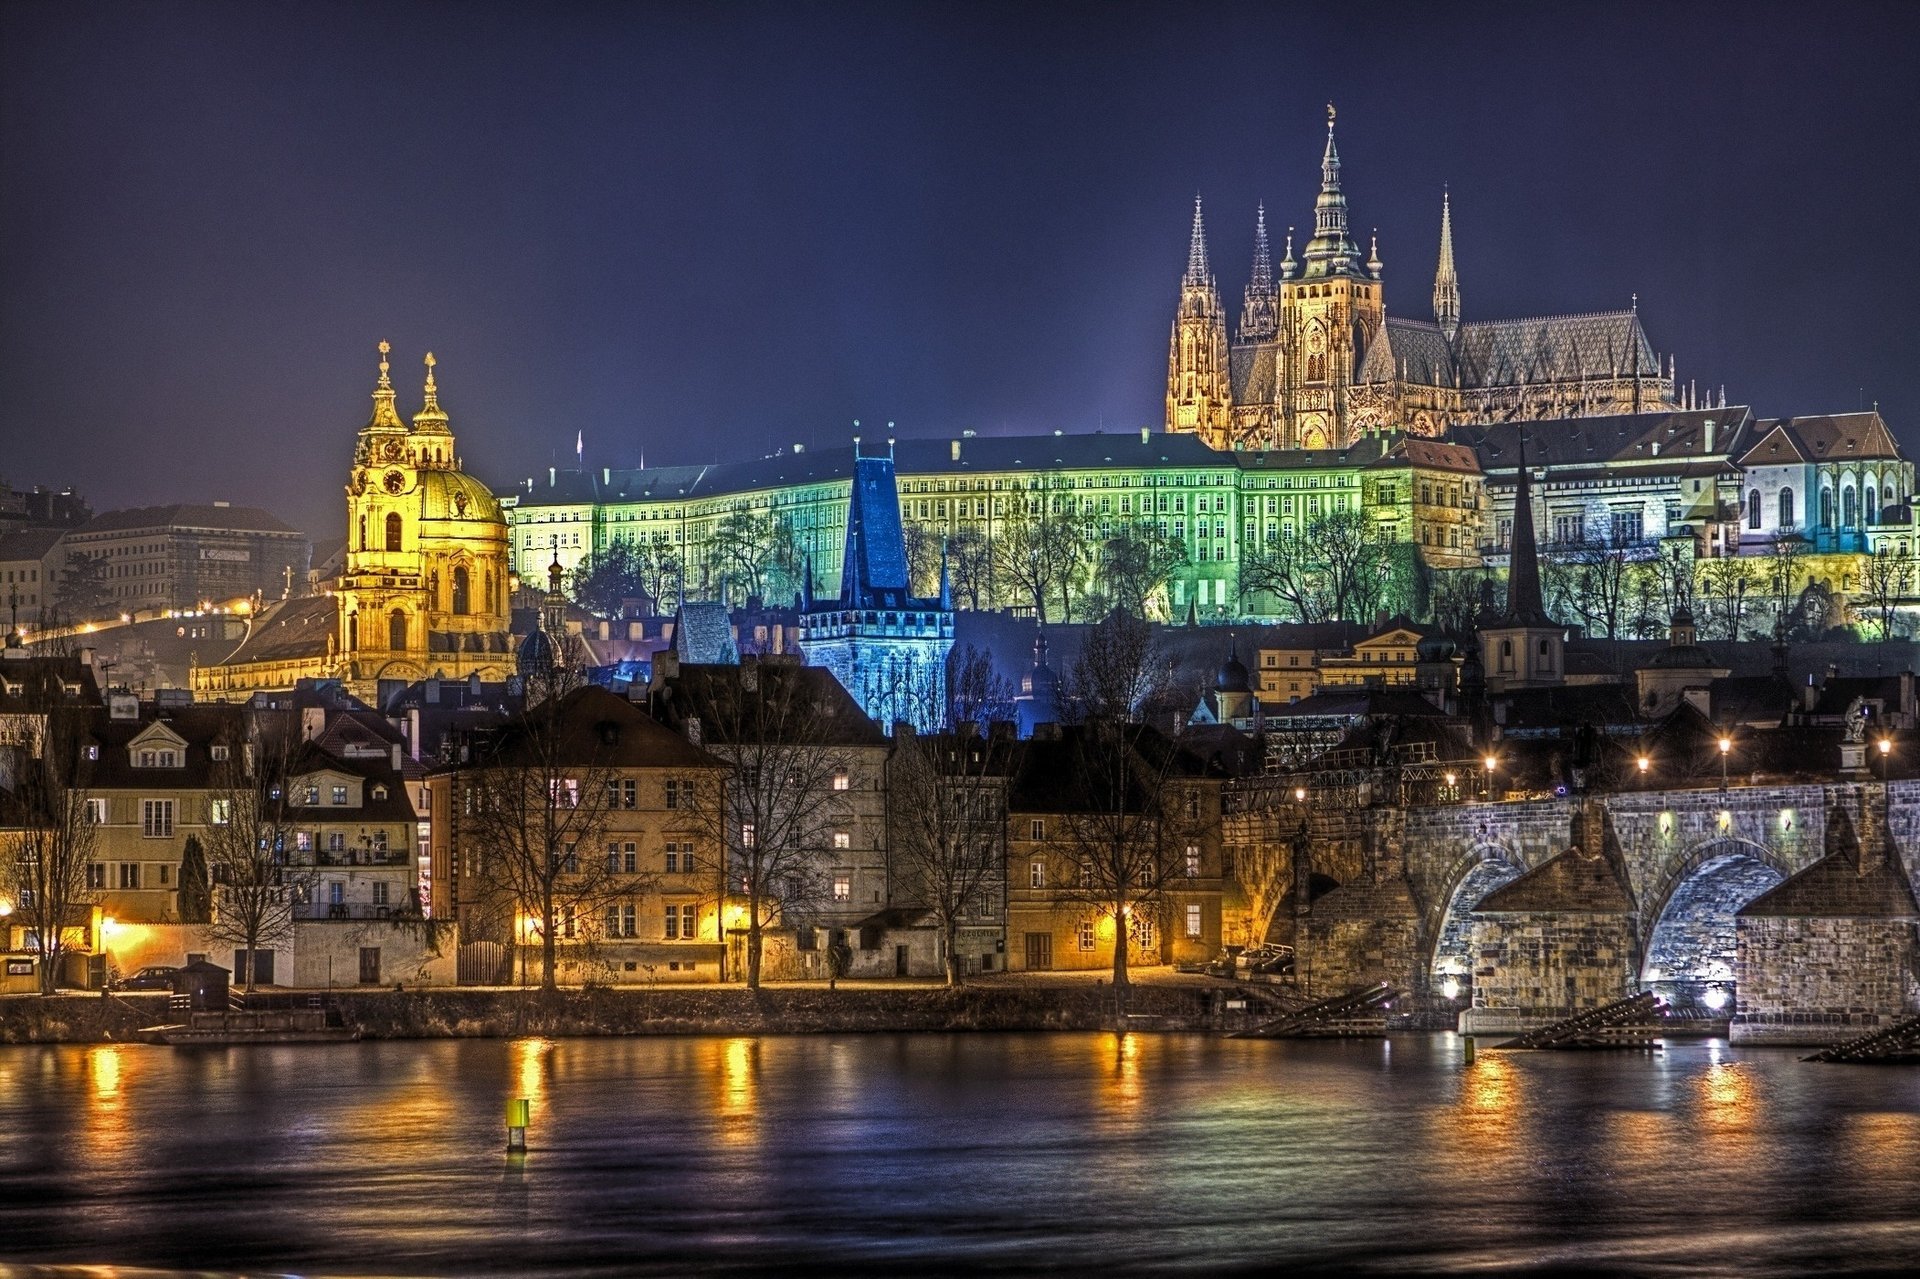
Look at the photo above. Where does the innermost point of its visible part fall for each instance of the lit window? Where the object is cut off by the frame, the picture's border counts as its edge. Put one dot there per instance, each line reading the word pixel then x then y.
pixel 339 794
pixel 1193 862
pixel 841 839
pixel 842 888
pixel 1037 875
pixel 1085 932
pixel 747 835
pixel 96 812
pixel 1037 829
pixel 156 818
pixel 1193 921
pixel 841 781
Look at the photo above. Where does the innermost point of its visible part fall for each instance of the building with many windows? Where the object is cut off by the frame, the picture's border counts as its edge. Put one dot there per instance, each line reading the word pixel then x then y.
pixel 191 555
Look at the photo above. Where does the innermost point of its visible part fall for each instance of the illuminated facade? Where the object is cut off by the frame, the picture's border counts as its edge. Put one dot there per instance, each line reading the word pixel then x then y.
pixel 423 590
pixel 1215 503
pixel 1317 363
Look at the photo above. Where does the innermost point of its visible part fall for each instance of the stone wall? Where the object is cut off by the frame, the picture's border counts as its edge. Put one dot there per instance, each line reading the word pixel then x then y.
pixel 1815 981
pixel 1535 968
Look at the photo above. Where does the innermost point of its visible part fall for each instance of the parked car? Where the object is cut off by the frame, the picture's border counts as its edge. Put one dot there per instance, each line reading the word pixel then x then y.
pixel 152 977
pixel 1253 956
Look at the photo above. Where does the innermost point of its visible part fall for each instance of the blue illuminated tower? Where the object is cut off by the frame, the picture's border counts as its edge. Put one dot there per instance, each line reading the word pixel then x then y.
pixel 885 646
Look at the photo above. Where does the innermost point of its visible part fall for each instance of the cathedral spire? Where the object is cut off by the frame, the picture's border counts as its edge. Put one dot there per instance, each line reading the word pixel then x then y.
pixel 1287 263
pixel 1446 284
pixel 1198 272
pixel 1332 250
pixel 1260 313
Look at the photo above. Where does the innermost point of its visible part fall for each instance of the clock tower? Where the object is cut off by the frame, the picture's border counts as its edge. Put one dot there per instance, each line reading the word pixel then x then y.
pixel 424 588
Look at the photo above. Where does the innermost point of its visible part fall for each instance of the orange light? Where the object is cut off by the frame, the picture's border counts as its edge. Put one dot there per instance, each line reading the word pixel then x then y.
pixel 1886 745
pixel 1299 794
pixel 1644 763
pixel 1491 761
pixel 1726 744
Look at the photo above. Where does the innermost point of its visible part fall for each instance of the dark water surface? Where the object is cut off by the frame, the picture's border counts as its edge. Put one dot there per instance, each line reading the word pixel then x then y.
pixel 936 1153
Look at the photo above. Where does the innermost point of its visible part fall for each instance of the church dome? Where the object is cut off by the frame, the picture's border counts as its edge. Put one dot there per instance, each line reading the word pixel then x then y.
pixel 455 495
pixel 1233 677
pixel 1435 648
pixel 1686 657
pixel 536 654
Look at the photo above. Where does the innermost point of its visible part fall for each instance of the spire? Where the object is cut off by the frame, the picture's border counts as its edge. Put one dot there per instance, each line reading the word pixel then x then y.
pixel 1262 256
pixel 1524 606
pixel 1446 284
pixel 1287 264
pixel 1198 272
pixel 1331 251
pixel 1260 313
pixel 1373 255
pixel 384 414
pixel 431 419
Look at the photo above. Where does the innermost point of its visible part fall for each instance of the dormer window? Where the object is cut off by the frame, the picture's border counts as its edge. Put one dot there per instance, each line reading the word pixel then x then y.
pixel 339 795
pixel 311 796
pixel 379 792
pixel 220 752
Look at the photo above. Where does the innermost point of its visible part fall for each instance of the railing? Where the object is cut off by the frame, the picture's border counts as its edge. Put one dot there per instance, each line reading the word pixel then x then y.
pixel 389 857
pixel 341 910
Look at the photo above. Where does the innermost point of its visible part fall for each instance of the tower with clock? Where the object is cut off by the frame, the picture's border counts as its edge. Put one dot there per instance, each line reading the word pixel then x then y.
pixel 423 591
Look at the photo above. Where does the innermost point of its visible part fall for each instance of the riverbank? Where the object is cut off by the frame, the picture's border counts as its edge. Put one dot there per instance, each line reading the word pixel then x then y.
pixel 465 1013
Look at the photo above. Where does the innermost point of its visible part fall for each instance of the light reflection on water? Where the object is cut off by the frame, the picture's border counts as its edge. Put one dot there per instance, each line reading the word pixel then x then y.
pixel 895 1152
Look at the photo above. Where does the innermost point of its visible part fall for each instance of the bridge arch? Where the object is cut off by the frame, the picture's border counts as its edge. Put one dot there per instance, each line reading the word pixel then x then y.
pixel 1687 920
pixel 1483 867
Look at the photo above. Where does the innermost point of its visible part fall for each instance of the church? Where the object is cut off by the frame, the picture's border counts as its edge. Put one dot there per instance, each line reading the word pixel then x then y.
pixel 424 587
pixel 1317 363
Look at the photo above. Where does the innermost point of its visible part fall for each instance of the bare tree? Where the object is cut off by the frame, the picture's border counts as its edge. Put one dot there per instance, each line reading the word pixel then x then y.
pixel 1134 566
pixel 922 544
pixel 1883 581
pixel 1125 828
pixel 47 831
pixel 627 569
pixel 248 825
pixel 970 568
pixel 1338 567
pixel 787 740
pixel 946 796
pixel 1455 598
pixel 537 801
pixel 1587 585
pixel 1118 670
pixel 1724 583
pixel 1043 552
pixel 1783 568
pixel 757 551
pixel 976 691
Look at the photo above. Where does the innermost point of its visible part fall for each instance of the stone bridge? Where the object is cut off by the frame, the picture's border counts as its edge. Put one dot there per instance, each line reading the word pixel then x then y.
pixel 1515 913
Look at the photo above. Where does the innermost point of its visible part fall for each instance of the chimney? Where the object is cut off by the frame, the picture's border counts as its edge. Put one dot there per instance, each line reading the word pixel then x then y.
pixel 956 450
pixel 313 722
pixel 395 755
pixel 1146 435
pixel 413 730
pixel 1707 446
pixel 606 475
pixel 693 729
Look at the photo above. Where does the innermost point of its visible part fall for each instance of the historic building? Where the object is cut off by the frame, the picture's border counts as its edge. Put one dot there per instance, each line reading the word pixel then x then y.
pixel 424 583
pixel 189 555
pixel 1317 362
pixel 885 645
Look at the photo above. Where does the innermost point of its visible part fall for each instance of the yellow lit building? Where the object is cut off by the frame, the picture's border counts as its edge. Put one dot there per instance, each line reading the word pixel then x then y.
pixel 424 586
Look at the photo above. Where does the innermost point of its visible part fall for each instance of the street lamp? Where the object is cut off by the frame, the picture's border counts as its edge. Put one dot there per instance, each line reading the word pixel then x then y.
pixel 1886 749
pixel 1299 794
pixel 1490 762
pixel 1452 792
pixel 1726 747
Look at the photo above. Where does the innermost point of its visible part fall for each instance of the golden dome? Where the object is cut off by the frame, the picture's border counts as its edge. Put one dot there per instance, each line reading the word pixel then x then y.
pixel 455 495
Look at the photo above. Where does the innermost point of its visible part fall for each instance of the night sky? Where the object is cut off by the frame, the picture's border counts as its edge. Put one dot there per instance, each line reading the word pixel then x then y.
pixel 705 231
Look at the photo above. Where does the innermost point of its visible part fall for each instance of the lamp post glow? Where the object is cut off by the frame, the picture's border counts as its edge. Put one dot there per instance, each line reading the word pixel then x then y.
pixel 1299 794
pixel 1886 749
pixel 1490 762
pixel 1726 747
pixel 1643 763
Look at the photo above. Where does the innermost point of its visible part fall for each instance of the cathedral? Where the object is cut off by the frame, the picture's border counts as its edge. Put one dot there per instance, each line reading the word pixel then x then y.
pixel 423 590
pixel 1317 363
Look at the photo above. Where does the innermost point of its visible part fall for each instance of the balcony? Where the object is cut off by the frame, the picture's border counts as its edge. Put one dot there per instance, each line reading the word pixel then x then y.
pixel 356 857
pixel 307 911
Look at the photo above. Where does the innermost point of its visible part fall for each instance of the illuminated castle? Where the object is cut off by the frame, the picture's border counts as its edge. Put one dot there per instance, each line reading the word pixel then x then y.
pixel 1318 363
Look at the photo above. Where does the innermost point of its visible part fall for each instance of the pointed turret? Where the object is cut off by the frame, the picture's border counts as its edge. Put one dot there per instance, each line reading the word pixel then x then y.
pixel 1524 647
pixel 1332 250
pixel 385 417
pixel 1446 284
pixel 1525 606
pixel 1260 316
pixel 431 419
pixel 1373 255
pixel 1199 397
pixel 1287 263
pixel 1198 272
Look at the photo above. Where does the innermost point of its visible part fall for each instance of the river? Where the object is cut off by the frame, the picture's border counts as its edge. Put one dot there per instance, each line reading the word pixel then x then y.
pixel 945 1153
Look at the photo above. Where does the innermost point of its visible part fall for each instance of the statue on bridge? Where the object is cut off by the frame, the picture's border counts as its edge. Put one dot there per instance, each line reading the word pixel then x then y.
pixel 1857 714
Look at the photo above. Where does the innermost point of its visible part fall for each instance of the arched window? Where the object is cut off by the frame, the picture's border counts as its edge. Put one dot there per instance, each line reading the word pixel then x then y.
pixel 1753 509
pixel 460 602
pixel 397 630
pixel 1316 368
pixel 1786 509
pixel 1849 508
pixel 1826 508
pixel 363 532
pixel 393 531
pixel 493 605
pixel 1872 508
pixel 353 632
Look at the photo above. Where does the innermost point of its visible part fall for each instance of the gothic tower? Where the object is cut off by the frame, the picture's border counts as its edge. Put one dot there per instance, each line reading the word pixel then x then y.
pixel 1198 396
pixel 1260 311
pixel 1524 647
pixel 1446 285
pixel 1329 316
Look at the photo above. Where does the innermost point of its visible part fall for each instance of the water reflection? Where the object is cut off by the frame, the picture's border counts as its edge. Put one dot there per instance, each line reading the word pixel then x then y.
pixel 896 1153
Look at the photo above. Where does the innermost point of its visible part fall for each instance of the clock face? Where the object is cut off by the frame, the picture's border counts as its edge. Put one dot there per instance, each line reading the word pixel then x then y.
pixel 395 481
